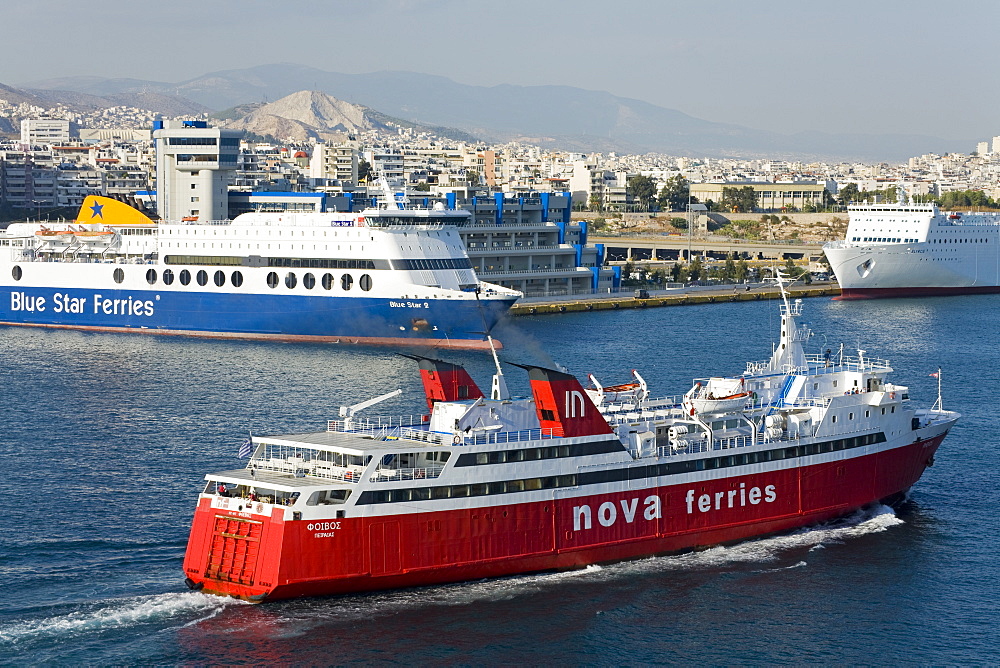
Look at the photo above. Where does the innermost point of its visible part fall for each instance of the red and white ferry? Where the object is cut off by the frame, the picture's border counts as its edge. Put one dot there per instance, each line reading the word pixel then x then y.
pixel 488 486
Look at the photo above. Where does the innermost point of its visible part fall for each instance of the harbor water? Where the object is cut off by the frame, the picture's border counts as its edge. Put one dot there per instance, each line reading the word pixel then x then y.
pixel 106 440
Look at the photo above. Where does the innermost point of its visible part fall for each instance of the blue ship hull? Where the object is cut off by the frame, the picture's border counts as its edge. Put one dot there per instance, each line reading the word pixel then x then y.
pixel 459 323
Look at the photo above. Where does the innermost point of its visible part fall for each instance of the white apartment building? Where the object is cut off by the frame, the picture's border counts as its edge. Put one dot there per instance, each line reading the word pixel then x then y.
pixel 336 162
pixel 44 131
pixel 194 164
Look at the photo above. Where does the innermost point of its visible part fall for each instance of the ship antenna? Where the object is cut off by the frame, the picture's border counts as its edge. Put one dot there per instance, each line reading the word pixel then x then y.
pixel 938 405
pixel 499 391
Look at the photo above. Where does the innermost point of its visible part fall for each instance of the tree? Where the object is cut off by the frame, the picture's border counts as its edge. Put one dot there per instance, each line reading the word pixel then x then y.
pixel 848 193
pixel 674 193
pixel 472 177
pixel 742 271
pixel 696 269
pixel 739 200
pixel 595 202
pixel 364 171
pixel 642 189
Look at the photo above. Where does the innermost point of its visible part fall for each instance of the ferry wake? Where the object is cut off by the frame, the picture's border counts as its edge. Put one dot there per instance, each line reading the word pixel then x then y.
pixel 486 484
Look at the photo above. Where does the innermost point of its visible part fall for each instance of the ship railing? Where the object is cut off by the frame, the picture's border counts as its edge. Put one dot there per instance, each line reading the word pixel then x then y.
pixel 381 426
pixel 847 363
pixel 482 438
pixel 645 406
pixel 818 364
pixel 422 435
pixel 395 475
pixel 300 468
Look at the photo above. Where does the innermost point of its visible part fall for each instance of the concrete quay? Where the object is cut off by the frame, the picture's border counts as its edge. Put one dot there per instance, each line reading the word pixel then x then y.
pixel 659 298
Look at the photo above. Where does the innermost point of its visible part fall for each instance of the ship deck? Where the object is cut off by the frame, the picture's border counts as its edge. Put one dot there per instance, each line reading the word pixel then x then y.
pixel 335 441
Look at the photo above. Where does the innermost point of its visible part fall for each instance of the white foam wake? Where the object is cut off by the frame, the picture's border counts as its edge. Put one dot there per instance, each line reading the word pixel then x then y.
pixel 752 551
pixel 187 607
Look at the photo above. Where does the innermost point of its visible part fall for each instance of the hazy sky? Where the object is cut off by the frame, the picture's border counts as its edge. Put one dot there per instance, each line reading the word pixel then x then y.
pixel 875 67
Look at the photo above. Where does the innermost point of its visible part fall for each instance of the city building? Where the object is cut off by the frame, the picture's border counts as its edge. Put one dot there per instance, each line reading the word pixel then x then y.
pixel 194 165
pixel 770 196
pixel 44 131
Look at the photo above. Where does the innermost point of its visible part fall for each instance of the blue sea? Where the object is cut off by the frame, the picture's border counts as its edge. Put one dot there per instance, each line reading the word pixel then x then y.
pixel 106 439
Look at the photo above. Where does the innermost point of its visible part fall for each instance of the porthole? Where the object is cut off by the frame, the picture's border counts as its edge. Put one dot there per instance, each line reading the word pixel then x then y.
pixel 119 275
pixel 168 276
pixel 327 282
pixel 290 280
pixel 220 278
pixel 151 276
pixel 184 277
pixel 202 277
pixel 365 282
pixel 346 281
pixel 236 279
pixel 16 273
pixel 272 279
pixel 309 281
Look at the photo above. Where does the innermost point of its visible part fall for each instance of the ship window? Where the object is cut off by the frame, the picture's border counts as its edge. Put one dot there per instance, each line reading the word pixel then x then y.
pixel 237 278
pixel 272 280
pixel 346 281
pixel 168 276
pixel 220 279
pixel 151 276
pixel 202 277
pixel 328 497
pixel 365 282
pixel 309 281
pixel 327 282
pixel 290 280
pixel 16 273
pixel 119 275
pixel 548 414
pixel 184 277
pixel 833 419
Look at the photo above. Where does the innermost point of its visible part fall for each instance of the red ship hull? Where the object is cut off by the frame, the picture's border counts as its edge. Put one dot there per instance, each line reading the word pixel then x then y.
pixel 255 557
pixel 847 294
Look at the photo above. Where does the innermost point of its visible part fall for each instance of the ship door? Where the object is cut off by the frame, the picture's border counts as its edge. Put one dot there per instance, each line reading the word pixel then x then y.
pixel 383 548
pixel 235 546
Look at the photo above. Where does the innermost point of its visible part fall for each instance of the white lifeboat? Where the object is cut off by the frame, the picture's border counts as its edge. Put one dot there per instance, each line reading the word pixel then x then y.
pixel 719 396
pixel 54 236
pixel 94 237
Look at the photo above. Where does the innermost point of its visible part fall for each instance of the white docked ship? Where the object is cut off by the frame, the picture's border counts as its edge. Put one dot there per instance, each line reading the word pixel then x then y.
pixel 390 275
pixel 903 250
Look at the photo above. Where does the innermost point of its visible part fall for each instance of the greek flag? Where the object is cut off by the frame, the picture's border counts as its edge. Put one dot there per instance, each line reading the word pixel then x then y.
pixel 246 449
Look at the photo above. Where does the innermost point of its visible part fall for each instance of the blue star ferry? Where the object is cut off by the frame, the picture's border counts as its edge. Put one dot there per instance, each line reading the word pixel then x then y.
pixel 382 276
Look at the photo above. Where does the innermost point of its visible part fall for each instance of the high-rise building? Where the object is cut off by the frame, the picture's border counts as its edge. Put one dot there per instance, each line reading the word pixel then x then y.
pixel 44 131
pixel 194 165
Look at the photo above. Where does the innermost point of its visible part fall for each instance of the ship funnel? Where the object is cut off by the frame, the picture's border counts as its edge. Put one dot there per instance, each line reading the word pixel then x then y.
pixel 563 405
pixel 444 381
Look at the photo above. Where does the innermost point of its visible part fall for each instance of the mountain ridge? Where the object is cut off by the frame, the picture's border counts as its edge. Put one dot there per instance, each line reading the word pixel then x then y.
pixel 563 117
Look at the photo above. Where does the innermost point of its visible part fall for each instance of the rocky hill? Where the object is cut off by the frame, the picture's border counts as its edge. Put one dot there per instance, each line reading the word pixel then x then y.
pixel 314 115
